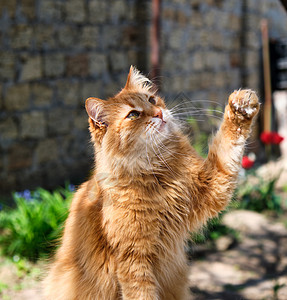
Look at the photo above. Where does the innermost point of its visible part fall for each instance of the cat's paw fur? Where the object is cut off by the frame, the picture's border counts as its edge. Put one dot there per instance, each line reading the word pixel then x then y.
pixel 244 104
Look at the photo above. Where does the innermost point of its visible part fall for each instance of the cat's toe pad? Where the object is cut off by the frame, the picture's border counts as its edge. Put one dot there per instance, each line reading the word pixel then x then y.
pixel 244 103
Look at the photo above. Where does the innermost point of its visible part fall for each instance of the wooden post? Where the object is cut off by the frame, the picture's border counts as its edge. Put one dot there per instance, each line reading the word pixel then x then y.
pixel 267 76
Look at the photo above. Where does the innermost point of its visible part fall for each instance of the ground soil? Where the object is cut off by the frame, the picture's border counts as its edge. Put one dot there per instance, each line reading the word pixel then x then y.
pixel 254 268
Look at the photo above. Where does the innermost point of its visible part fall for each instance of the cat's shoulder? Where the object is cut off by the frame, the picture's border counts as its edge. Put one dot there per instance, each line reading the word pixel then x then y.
pixel 86 195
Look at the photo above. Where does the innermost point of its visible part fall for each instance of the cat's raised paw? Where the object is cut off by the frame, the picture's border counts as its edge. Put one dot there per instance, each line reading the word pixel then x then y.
pixel 244 104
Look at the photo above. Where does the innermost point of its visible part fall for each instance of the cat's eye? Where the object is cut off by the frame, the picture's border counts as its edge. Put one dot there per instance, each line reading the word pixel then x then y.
pixel 152 100
pixel 133 115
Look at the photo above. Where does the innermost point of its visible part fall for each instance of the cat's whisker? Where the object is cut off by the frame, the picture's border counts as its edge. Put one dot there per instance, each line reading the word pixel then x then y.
pixel 197 102
pixel 174 107
pixel 151 127
pixel 162 146
pixel 195 116
pixel 207 101
pixel 165 136
pixel 200 114
pixel 198 110
pixel 147 128
pixel 149 162
pixel 160 156
pixel 191 102
pixel 250 145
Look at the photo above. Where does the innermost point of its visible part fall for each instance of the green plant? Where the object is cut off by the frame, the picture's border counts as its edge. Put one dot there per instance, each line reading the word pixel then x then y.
pixel 259 196
pixel 31 229
pixel 213 231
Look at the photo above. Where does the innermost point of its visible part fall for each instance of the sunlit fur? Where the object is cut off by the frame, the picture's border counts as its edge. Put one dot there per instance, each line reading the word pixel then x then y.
pixel 126 231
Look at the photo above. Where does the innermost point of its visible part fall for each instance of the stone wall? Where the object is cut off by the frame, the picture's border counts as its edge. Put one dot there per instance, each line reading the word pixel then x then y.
pixel 56 53
pixel 211 47
pixel 53 55
pixel 202 44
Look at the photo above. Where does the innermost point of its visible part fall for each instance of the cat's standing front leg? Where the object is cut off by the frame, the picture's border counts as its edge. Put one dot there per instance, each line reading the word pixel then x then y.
pixel 217 175
pixel 136 278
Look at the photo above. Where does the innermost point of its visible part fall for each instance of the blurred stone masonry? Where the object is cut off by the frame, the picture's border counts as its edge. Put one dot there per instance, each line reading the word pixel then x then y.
pixel 53 55
pixel 56 53
pixel 213 45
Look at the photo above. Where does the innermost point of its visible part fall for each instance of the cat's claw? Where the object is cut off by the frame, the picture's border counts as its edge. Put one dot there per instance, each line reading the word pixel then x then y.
pixel 244 104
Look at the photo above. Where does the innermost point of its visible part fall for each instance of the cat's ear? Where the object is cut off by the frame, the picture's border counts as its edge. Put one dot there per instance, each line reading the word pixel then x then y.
pixel 137 81
pixel 96 110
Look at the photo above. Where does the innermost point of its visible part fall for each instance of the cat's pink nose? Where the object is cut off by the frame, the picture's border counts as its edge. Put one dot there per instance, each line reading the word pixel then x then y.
pixel 158 114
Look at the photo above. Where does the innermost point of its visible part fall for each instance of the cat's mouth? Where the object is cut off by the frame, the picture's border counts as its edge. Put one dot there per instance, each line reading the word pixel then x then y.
pixel 159 124
pixel 162 125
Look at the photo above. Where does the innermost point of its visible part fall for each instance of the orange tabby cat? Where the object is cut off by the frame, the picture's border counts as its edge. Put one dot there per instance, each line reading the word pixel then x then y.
pixel 125 234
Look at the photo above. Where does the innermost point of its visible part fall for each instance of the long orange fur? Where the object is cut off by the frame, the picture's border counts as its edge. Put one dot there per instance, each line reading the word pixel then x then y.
pixel 126 231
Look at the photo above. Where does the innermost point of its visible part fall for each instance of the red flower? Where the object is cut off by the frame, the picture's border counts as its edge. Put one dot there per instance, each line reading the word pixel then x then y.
pixel 247 163
pixel 266 137
pixel 271 138
pixel 277 138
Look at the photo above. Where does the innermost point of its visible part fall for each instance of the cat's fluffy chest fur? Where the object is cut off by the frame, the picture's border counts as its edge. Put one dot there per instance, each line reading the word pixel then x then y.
pixel 154 203
pixel 125 234
pixel 138 226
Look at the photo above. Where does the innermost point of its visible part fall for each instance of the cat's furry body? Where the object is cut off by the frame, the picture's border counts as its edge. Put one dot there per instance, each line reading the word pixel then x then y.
pixel 125 234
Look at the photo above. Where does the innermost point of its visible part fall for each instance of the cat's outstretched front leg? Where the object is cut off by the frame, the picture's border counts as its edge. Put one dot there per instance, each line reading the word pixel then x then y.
pixel 217 175
pixel 228 145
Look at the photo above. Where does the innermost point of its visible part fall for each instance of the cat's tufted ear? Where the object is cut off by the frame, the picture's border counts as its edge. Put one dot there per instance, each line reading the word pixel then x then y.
pixel 96 111
pixel 137 81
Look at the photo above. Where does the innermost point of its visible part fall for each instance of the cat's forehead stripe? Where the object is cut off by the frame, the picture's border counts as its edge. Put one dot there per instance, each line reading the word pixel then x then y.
pixel 127 107
pixel 135 102
pixel 142 97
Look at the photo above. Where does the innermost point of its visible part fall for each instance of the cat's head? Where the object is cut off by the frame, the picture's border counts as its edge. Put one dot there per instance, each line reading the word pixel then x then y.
pixel 131 123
